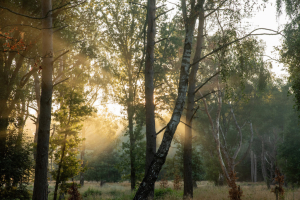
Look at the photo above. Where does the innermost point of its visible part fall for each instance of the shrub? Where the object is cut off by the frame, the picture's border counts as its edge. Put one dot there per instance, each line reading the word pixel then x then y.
pixel 160 193
pixel 92 192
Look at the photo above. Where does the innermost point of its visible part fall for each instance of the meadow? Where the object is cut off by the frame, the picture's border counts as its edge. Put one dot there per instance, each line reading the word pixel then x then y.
pixel 205 190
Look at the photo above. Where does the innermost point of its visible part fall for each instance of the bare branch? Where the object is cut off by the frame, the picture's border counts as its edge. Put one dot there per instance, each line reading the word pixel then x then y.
pixel 203 96
pixel 206 81
pixel 185 124
pixel 163 13
pixel 16 13
pixel 60 56
pixel 214 10
pixel 161 130
pixel 60 82
pixel 138 4
pixel 26 77
pixel 161 40
pixel 194 114
pixel 227 44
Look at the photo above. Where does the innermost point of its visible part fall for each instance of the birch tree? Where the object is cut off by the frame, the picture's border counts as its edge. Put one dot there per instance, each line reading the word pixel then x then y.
pixel 159 159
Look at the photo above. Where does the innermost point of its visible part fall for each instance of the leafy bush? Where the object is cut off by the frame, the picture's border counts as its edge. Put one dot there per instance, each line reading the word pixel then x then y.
pixel 16 167
pixel 162 192
pixel 91 192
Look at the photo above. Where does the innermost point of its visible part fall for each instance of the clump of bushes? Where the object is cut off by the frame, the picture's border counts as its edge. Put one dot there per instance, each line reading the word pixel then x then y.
pixel 162 192
pixel 92 192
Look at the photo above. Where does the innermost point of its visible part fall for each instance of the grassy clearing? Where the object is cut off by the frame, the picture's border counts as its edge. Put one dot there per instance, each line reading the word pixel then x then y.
pixel 205 190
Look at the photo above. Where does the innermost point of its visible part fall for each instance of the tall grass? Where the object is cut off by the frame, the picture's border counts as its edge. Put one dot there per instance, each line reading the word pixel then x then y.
pixel 205 190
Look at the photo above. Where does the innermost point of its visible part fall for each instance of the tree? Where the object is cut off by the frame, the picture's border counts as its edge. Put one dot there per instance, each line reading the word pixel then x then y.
pixel 288 152
pixel 159 159
pixel 149 87
pixel 40 191
pixel 124 25
pixel 290 51
pixel 73 110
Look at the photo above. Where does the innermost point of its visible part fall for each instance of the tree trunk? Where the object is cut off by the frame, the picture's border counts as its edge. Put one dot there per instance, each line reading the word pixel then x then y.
pixel 40 191
pixel 82 158
pixel 59 168
pixel 160 157
pixel 130 114
pixel 263 164
pixel 252 166
pixel 37 89
pixel 149 89
pixel 187 149
pixel 255 168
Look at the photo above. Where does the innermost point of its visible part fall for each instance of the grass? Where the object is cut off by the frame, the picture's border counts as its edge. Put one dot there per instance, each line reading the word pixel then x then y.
pixel 205 190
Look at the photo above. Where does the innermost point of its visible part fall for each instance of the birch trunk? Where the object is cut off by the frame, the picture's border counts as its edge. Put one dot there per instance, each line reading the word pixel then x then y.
pixel 160 157
pixel 40 191
pixel 263 164
pixel 149 89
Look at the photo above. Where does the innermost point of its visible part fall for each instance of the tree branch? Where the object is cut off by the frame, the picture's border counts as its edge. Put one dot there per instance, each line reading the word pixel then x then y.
pixel 60 82
pixel 206 81
pixel 60 56
pixel 163 13
pixel 203 96
pixel 214 10
pixel 227 44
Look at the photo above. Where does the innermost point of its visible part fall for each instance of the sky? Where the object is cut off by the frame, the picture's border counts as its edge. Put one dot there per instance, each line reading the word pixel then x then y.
pixel 269 19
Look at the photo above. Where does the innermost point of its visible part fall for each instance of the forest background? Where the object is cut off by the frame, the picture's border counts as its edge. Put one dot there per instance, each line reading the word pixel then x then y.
pixel 76 77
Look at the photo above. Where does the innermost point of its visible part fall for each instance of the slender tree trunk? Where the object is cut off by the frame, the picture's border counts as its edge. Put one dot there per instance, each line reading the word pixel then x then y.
pixel 263 164
pixel 160 157
pixel 40 191
pixel 255 168
pixel 82 158
pixel 37 89
pixel 59 167
pixel 187 149
pixel 252 167
pixel 149 89
pixel 130 114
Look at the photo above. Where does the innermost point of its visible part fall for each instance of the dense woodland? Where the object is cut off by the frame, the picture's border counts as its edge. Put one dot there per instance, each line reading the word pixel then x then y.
pixel 196 96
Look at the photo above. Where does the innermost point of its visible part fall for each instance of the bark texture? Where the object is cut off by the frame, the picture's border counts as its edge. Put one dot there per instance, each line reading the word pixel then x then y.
pixel 40 191
pixel 160 157
pixel 149 89
pixel 187 150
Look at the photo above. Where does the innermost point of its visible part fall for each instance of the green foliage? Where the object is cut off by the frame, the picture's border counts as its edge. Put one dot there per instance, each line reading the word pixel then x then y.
pixel 64 144
pixel 162 192
pixel 174 166
pixel 16 167
pixel 102 166
pixel 139 157
pixel 92 192
pixel 289 152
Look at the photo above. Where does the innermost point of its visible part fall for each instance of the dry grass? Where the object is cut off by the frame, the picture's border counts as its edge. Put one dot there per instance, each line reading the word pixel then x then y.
pixel 205 190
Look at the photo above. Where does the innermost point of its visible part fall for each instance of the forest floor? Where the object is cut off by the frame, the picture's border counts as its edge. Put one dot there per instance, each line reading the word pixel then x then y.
pixel 205 190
